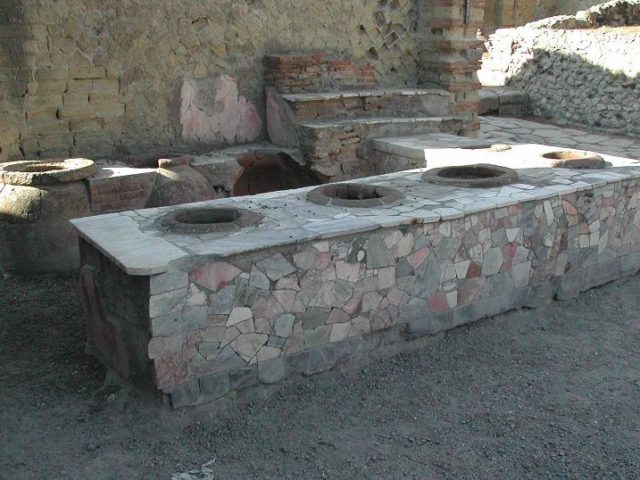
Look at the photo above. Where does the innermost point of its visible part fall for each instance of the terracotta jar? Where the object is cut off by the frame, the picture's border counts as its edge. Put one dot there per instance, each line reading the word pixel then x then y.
pixel 37 200
pixel 178 183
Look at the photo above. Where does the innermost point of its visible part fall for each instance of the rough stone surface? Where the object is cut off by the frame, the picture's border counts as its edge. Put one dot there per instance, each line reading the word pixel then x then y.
pixel 571 75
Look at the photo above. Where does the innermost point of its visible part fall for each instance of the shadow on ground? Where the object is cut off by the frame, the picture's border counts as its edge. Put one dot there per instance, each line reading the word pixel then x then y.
pixel 546 393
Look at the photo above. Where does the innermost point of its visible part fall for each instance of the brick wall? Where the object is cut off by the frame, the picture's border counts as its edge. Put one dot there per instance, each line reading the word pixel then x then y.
pixel 128 190
pixel 451 53
pixel 316 72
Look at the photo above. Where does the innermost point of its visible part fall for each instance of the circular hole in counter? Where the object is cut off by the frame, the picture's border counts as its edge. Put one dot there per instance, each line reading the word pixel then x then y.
pixel 357 195
pixel 575 159
pixel 208 220
pixel 474 176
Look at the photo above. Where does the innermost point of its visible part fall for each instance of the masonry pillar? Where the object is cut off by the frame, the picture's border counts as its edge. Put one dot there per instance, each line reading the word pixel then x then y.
pixel 450 54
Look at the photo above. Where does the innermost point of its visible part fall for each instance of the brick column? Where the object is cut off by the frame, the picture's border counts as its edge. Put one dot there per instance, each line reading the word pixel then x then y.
pixel 450 54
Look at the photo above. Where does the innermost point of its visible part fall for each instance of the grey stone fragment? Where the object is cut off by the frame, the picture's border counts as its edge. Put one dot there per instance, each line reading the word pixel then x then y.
pixel 521 274
pixel 428 324
pixel 493 305
pixel 428 276
pixel 446 249
pixel 207 349
pixel 221 303
pixel 313 361
pixel 165 303
pixel 404 268
pixel 194 318
pixel 342 293
pixel 215 386
pixel 228 359
pixel 272 371
pixel 219 172
pixel 414 310
pixel 500 283
pixel 276 267
pixel 166 282
pixel 284 325
pixel 348 348
pixel 537 295
pixel 191 319
pixel 248 344
pixel 492 262
pixel 241 292
pixel 603 272
pixel 567 286
pixel 378 255
pixel 630 264
pixel 243 377
pixel 276 342
pixel 258 279
pixel 185 394
pixel 489 101
pixel 317 337
pixel 314 317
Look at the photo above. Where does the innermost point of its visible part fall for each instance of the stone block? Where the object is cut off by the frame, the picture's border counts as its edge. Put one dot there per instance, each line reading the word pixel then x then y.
pixel 213 387
pixel 51 74
pixel 185 394
pixel 603 272
pixel 87 72
pixel 630 265
pixel 243 377
pixel 511 110
pixel 567 286
pixel 272 371
pixel 427 324
pixel 489 101
pixel 164 303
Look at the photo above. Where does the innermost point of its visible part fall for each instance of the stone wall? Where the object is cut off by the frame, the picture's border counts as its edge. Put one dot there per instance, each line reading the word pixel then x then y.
pixel 512 13
pixel 586 77
pixel 117 77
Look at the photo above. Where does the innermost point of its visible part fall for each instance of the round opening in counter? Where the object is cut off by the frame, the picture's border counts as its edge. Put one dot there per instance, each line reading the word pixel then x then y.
pixel 208 220
pixel 473 176
pixel 356 195
pixel 575 159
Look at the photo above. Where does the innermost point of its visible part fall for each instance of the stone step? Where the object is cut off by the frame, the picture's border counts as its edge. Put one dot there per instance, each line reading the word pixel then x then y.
pixel 368 103
pixel 503 101
pixel 414 146
pixel 342 149
pixel 285 112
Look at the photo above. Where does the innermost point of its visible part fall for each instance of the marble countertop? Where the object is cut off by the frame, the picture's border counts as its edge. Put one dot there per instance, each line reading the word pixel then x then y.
pixel 133 242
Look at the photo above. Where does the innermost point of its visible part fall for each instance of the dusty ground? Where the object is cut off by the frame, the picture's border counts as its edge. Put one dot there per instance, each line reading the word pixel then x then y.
pixel 548 393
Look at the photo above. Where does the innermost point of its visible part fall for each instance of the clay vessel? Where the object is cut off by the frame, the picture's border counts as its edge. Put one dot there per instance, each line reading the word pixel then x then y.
pixel 178 183
pixel 37 200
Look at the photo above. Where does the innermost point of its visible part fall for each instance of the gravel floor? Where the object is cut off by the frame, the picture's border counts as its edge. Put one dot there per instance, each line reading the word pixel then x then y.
pixel 534 394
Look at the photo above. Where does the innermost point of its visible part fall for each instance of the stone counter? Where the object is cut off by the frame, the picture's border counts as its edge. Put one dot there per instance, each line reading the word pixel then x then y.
pixel 210 317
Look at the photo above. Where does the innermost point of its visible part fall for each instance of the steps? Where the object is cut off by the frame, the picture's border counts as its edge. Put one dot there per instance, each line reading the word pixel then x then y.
pixel 368 103
pixel 330 109
pixel 342 149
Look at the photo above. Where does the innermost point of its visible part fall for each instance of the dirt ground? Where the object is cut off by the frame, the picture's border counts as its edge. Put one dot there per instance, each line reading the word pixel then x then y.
pixel 552 393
